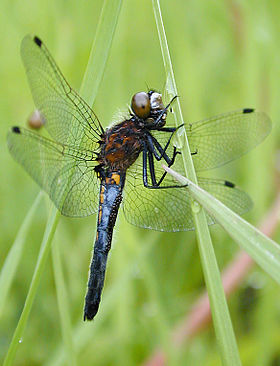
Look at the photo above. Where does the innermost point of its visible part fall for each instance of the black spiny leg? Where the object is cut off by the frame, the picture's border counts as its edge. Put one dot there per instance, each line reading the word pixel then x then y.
pixel 155 184
pixel 145 173
pixel 175 152
pixel 152 143
pixel 168 129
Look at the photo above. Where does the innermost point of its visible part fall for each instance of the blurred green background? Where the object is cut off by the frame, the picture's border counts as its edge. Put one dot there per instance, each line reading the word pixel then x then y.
pixel 226 56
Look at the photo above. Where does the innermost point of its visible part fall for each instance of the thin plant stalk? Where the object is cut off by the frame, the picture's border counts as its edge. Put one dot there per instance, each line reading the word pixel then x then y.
pixel 221 317
pixel 9 268
pixel 100 50
pixel 64 313
pixel 42 259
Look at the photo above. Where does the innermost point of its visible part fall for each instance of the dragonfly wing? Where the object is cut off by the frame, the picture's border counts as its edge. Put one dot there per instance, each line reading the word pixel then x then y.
pixel 169 209
pixel 221 139
pixel 65 173
pixel 159 209
pixel 228 193
pixel 68 118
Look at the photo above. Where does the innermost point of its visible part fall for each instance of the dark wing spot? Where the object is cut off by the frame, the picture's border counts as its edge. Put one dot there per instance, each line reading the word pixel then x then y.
pixel 16 129
pixel 248 110
pixel 229 184
pixel 37 41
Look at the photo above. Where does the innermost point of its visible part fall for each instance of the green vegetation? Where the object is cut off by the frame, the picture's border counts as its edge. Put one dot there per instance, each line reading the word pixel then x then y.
pixel 225 57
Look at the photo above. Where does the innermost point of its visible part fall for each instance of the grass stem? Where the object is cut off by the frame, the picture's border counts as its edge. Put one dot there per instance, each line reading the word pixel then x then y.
pixel 221 317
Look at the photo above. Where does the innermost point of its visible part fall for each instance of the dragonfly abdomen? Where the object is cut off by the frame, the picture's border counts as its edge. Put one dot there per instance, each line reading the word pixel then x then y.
pixel 109 203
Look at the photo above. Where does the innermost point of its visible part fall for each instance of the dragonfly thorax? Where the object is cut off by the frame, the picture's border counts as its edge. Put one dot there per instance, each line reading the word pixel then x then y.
pixel 121 146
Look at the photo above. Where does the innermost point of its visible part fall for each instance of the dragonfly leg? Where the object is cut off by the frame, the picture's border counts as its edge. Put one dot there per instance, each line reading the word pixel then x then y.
pixel 148 156
pixel 152 169
pixel 168 129
pixel 145 166
pixel 152 142
pixel 175 153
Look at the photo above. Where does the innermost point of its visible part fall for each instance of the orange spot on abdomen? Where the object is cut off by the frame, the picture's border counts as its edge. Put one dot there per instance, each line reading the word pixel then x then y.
pixel 113 179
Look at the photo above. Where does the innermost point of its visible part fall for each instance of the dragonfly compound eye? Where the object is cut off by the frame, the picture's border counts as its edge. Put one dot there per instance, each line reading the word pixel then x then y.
pixel 141 104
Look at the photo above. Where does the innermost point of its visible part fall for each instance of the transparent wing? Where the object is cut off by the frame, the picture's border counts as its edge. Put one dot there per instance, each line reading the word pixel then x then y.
pixel 226 137
pixel 64 172
pixel 169 209
pixel 221 139
pixel 68 118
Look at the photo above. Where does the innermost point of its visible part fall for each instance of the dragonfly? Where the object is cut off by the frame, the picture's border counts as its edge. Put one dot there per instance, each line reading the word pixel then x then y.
pixel 85 169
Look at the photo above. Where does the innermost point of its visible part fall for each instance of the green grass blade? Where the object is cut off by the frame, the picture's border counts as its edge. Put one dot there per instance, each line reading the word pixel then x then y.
pixel 100 49
pixel 43 256
pixel 262 249
pixel 221 318
pixel 87 89
pixel 64 313
pixel 172 91
pixel 12 260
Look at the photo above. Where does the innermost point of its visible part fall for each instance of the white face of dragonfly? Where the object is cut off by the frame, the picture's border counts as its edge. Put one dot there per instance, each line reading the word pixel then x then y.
pixel 157 107
pixel 156 101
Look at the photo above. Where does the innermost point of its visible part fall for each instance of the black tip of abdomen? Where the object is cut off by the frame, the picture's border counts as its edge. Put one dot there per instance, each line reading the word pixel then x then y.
pixel 91 310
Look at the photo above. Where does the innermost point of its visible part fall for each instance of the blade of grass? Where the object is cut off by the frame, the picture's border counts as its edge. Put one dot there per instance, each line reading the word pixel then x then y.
pixel 100 50
pixel 261 248
pixel 63 307
pixel 12 260
pixel 221 318
pixel 87 89
pixel 43 255
pixel 161 321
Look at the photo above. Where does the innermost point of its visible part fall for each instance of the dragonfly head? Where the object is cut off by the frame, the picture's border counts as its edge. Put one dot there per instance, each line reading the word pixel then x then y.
pixel 149 108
